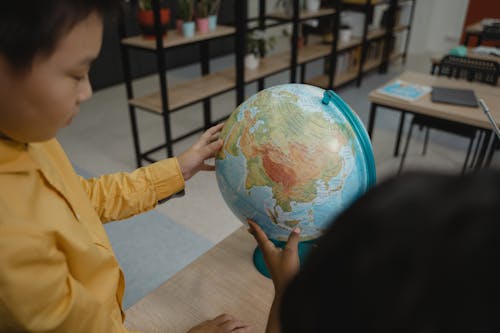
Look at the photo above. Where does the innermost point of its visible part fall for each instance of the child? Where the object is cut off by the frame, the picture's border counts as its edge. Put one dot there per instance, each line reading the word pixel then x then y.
pixel 418 253
pixel 58 272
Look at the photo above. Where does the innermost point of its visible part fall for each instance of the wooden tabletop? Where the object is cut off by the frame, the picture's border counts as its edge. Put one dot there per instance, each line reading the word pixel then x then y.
pixel 424 105
pixel 223 280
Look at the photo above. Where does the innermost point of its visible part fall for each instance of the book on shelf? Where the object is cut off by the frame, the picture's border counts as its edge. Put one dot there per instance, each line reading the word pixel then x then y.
pixel 405 90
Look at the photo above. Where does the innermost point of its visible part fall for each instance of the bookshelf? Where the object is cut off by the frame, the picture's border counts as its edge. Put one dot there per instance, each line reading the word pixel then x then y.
pixel 346 62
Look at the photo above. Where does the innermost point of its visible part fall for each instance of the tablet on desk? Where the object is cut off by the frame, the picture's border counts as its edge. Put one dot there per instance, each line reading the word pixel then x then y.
pixel 463 97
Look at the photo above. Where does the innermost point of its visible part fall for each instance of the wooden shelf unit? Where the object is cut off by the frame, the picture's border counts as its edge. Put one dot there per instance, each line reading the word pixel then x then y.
pixel 173 38
pixel 303 15
pixel 201 89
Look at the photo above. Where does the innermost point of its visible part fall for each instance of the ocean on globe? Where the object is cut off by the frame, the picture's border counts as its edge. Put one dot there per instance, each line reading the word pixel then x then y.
pixel 293 155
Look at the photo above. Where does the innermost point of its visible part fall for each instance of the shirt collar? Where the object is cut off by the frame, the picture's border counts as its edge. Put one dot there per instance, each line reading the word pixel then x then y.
pixel 15 157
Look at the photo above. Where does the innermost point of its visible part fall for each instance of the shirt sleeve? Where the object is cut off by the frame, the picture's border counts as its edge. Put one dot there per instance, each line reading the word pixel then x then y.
pixel 38 293
pixel 121 195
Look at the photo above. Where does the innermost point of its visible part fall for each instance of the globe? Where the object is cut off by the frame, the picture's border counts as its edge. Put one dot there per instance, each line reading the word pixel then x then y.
pixel 294 155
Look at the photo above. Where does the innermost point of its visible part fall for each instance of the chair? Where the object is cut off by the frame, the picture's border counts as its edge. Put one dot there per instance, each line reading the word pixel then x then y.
pixel 460 68
pixel 490 33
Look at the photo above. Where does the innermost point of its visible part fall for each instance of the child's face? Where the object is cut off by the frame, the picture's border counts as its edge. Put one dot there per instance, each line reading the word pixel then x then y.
pixel 36 104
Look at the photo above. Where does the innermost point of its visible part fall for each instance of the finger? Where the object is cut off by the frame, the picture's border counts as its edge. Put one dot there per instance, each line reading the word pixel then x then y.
pixel 220 319
pixel 214 130
pixel 207 167
pixel 211 149
pixel 245 329
pixel 293 240
pixel 231 325
pixel 264 243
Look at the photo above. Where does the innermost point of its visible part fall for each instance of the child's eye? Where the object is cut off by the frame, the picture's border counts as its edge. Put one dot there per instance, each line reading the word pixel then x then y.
pixel 78 77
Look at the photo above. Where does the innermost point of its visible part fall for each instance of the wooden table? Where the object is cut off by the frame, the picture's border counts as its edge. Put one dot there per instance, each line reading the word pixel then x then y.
pixel 223 280
pixel 465 115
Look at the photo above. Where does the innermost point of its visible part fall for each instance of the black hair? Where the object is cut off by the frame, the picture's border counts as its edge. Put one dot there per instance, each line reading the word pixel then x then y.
pixel 34 27
pixel 419 253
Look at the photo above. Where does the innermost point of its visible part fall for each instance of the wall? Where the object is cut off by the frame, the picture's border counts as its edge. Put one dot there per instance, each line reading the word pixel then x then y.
pixel 437 25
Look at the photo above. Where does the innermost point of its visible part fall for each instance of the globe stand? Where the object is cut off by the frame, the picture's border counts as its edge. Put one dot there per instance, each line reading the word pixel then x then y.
pixel 258 256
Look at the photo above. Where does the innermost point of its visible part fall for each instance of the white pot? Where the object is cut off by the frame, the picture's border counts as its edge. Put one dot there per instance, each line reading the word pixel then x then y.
pixel 251 61
pixel 345 35
pixel 313 5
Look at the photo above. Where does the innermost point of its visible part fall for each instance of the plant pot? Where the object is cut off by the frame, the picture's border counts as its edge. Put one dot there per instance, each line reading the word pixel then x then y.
pixel 212 22
pixel 147 22
pixel 313 5
pixel 188 29
pixel 202 24
pixel 178 26
pixel 345 35
pixel 251 61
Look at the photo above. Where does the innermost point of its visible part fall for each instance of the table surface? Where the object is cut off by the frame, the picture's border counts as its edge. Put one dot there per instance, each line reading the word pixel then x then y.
pixel 222 280
pixel 424 105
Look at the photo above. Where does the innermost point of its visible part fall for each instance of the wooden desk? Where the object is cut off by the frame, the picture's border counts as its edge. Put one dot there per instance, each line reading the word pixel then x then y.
pixel 223 280
pixel 465 115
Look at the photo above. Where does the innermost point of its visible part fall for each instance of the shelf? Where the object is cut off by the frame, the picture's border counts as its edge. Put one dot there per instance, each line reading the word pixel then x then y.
pixel 174 39
pixel 395 56
pixel 312 52
pixel 187 93
pixel 339 79
pixel 304 15
pixel 371 64
pixel 355 41
pixel 401 27
pixel 376 33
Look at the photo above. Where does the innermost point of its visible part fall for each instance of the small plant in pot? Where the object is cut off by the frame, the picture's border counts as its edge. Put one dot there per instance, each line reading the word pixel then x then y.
pixel 145 16
pixel 257 46
pixel 202 16
pixel 213 10
pixel 186 12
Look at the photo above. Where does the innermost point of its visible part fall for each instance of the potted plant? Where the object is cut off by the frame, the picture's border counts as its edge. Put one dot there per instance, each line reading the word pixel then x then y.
pixel 202 16
pixel 313 5
pixel 186 13
pixel 213 9
pixel 257 45
pixel 145 16
pixel 345 33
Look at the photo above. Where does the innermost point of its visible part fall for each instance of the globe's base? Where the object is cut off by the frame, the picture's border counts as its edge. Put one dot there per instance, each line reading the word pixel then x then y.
pixel 260 264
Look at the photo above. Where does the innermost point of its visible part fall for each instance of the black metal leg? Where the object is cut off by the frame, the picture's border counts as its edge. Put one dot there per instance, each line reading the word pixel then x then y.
pixel 405 151
pixel 426 140
pixel 467 156
pixel 371 119
pixel 302 73
pixel 260 84
pixel 135 134
pixel 494 146
pixel 400 131
pixel 482 153
pixel 476 150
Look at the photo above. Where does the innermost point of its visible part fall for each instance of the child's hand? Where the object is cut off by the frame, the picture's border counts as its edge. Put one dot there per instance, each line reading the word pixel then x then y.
pixel 193 160
pixel 221 324
pixel 283 264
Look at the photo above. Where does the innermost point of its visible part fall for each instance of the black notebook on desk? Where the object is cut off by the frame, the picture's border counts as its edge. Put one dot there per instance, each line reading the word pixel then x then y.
pixel 464 97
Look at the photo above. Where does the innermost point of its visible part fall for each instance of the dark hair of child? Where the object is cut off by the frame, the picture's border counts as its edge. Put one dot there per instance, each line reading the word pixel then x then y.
pixel 419 253
pixel 33 28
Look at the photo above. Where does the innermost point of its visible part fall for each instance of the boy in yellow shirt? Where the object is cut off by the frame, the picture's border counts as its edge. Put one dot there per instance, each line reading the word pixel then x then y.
pixel 58 272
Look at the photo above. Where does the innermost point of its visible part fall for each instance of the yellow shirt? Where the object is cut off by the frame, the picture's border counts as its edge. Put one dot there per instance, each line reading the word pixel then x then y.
pixel 58 272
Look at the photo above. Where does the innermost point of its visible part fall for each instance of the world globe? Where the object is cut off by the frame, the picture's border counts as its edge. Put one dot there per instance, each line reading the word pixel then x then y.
pixel 294 155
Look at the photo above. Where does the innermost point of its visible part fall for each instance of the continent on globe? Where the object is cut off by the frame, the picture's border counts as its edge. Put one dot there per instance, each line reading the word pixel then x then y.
pixel 290 160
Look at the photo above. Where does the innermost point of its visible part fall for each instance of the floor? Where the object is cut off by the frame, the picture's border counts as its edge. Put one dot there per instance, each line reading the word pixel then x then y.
pixel 100 141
